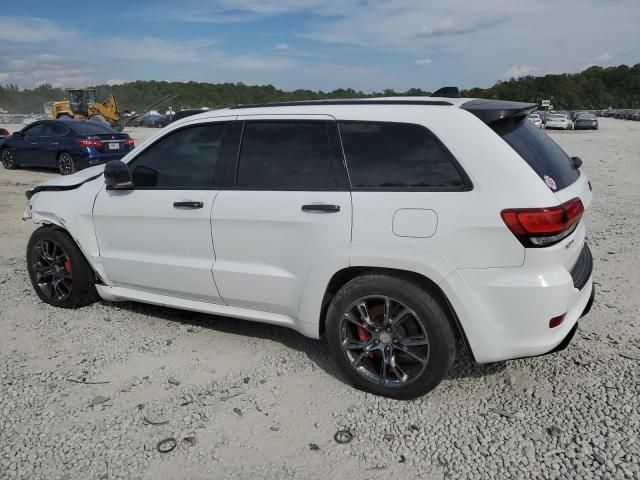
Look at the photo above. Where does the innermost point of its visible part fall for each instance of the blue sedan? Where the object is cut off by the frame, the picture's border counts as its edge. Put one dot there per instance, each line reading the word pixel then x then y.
pixel 68 145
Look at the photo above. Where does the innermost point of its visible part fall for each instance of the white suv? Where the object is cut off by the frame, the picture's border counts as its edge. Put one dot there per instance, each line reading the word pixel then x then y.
pixel 393 227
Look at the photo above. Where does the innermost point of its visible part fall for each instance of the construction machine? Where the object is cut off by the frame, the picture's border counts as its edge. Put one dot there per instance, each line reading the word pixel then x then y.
pixel 81 104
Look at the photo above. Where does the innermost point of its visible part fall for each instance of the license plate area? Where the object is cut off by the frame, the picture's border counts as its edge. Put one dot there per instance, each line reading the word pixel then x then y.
pixel 114 146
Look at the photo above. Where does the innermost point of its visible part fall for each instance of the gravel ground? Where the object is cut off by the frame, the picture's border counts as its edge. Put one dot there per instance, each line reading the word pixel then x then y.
pixel 89 393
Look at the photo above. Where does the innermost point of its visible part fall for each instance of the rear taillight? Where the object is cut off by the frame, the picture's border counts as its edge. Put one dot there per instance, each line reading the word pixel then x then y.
pixel 129 142
pixel 88 142
pixel 541 227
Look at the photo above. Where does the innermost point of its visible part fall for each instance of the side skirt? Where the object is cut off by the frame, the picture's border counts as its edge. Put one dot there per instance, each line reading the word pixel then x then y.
pixel 118 294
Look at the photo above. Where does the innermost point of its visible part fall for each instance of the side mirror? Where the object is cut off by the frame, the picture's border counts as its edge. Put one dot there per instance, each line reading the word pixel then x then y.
pixel 117 175
pixel 577 162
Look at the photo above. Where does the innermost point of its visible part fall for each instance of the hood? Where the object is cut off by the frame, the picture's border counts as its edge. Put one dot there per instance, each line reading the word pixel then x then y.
pixel 67 182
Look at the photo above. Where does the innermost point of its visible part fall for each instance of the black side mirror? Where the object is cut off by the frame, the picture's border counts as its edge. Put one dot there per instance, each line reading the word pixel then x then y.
pixel 577 162
pixel 117 175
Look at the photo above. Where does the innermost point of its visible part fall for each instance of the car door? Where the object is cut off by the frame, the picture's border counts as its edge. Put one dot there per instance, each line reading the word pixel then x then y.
pixel 283 226
pixel 27 144
pixel 47 145
pixel 156 236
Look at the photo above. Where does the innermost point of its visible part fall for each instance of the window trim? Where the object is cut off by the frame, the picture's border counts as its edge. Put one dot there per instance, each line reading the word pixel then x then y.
pixel 335 162
pixel 467 184
pixel 220 162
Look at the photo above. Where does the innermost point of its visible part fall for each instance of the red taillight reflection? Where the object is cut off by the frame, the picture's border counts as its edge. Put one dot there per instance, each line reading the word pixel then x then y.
pixel 129 142
pixel 530 224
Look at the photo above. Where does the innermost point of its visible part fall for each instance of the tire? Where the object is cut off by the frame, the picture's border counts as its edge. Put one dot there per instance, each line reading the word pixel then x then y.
pixel 65 163
pixel 420 317
pixel 99 119
pixel 53 256
pixel 8 159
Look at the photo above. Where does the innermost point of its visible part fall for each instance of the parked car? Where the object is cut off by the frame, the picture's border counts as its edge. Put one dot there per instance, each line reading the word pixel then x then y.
pixel 368 222
pixel 68 145
pixel 535 119
pixel 586 121
pixel 152 120
pixel 559 120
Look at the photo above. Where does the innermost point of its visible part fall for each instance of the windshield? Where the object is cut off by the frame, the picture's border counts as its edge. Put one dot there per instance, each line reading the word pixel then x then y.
pixel 536 148
pixel 558 117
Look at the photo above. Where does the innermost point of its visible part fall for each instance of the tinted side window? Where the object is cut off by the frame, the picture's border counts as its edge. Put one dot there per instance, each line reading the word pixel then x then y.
pixel 397 155
pixel 543 155
pixel 285 155
pixel 35 131
pixel 184 159
pixel 54 130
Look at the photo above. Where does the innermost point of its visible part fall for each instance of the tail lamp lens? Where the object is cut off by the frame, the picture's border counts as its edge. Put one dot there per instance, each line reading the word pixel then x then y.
pixel 556 321
pixel 129 142
pixel 89 142
pixel 541 227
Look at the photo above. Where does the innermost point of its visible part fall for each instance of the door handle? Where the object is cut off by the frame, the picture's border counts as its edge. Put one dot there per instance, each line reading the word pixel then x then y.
pixel 188 204
pixel 321 207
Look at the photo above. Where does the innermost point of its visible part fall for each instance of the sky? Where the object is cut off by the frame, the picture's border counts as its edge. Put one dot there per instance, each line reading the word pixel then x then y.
pixel 315 44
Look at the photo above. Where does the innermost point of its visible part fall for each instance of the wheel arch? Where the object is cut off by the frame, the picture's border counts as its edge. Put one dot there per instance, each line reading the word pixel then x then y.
pixel 345 275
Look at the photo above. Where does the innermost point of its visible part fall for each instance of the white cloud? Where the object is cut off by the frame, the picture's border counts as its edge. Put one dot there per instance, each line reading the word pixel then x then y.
pixel 115 81
pixel 521 71
pixel 155 49
pixel 449 27
pixel 251 62
pixel 282 47
pixel 4 76
pixel 422 62
pixel 32 30
pixel 605 57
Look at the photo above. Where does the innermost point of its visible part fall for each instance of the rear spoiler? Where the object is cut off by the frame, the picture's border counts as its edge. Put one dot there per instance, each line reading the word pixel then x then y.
pixel 491 111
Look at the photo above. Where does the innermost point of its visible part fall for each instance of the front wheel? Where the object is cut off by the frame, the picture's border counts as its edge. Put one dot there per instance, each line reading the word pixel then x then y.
pixel 8 159
pixel 390 336
pixel 59 273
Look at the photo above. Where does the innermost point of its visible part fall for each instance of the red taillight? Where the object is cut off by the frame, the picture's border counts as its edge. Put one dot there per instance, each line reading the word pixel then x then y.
pixel 540 227
pixel 87 142
pixel 129 142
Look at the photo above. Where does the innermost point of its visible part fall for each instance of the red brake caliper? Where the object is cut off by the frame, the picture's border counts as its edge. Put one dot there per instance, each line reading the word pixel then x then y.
pixel 362 334
pixel 67 265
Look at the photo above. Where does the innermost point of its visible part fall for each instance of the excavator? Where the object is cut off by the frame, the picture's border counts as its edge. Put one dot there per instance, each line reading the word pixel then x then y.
pixel 81 104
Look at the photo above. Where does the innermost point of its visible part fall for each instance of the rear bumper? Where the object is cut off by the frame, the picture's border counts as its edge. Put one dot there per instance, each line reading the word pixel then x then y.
pixel 505 312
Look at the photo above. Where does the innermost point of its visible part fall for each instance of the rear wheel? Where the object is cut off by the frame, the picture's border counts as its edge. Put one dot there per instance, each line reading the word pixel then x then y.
pixel 58 270
pixel 65 164
pixel 8 159
pixel 389 336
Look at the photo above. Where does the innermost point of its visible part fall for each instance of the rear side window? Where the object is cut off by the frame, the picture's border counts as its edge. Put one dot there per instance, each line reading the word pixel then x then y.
pixel 397 155
pixel 542 154
pixel 184 159
pixel 286 155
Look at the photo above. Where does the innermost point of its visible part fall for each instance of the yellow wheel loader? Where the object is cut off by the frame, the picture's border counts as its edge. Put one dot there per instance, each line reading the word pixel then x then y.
pixel 81 104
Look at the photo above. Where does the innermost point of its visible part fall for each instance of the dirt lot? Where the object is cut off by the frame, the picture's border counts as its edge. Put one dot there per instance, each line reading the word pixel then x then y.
pixel 246 400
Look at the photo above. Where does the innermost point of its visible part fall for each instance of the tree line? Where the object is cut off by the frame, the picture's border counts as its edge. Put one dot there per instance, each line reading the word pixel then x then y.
pixel 594 88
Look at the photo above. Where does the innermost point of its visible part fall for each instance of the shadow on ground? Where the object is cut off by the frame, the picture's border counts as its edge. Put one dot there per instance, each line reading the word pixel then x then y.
pixel 316 350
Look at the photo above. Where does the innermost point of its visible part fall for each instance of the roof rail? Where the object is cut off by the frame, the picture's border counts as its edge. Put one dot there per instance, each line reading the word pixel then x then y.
pixel 344 101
